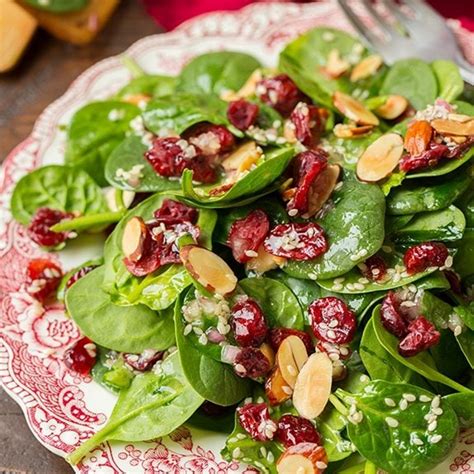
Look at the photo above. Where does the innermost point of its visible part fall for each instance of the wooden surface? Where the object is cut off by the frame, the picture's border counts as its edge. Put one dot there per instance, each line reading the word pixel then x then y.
pixel 44 74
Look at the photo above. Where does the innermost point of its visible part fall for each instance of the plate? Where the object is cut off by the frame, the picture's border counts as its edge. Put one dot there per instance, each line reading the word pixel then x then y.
pixel 61 408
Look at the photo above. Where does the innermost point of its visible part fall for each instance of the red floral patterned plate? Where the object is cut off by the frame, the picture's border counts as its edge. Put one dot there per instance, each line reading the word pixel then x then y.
pixel 61 408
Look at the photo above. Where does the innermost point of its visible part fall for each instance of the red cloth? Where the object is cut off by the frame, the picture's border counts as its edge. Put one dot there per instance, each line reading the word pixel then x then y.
pixel 170 13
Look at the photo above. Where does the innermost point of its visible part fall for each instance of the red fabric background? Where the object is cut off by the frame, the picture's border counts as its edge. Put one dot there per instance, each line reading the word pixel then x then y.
pixel 170 13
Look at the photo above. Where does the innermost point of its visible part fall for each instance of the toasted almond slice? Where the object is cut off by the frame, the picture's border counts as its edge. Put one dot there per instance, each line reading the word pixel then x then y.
pixel 460 117
pixel 134 237
pixel 264 261
pixel 354 109
pixel 453 127
pixel 289 131
pixel 335 66
pixel 242 158
pixel 247 90
pixel 210 270
pixel 393 107
pixel 268 352
pixel 276 388
pixel 367 67
pixel 418 137
pixel 455 139
pixel 291 356
pixel 303 458
pixel 380 158
pixel 321 189
pixel 313 386
pixel 342 130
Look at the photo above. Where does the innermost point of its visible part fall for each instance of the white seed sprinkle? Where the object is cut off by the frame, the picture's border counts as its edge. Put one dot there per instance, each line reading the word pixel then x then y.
pixel 331 334
pixel 392 422
pixel 416 441
pixel 263 451
pixel 312 276
pixel 409 397
pixel 436 402
pixel 403 404
pixel 437 411
pixel 287 389
pixel 293 212
pixel 251 253
pixel 435 439
pixel 432 426
pixel 241 370
pixel 203 339
pixel 364 378
pixel 321 465
pixel 236 453
pixel 270 457
pixel 389 402
pixel 350 287
pixel 333 323
pixel 188 328
pixel 359 286
pixel 337 287
pixel 354 258
pixel 425 398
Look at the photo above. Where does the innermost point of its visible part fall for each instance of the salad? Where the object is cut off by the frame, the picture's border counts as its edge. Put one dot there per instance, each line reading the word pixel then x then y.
pixel 289 256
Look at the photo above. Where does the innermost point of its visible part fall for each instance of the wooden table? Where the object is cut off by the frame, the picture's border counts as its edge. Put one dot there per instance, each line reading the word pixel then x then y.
pixel 44 74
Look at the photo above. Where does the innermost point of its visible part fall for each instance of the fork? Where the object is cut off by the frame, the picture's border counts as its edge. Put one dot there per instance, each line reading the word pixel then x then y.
pixel 423 34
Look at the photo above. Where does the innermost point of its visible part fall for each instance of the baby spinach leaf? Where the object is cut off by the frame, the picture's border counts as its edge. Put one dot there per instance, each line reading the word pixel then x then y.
pixel 464 108
pixel 61 291
pixel 463 405
pixel 219 423
pixel 354 229
pixel 414 80
pixel 213 73
pixel 393 223
pixel 94 133
pixel 446 225
pixel 128 154
pixel 101 368
pixel 149 84
pixel 450 82
pixel 466 202
pixel 464 258
pixel 212 379
pixel 278 303
pixel 121 328
pixel 57 187
pixel 466 313
pixel 391 446
pixel 58 6
pixel 153 406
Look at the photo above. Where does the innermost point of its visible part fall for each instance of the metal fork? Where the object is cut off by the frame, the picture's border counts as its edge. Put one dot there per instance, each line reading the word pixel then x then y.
pixel 422 34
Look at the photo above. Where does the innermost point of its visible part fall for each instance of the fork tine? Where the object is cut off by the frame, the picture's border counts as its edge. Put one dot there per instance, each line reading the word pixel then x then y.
pixel 423 10
pixel 401 19
pixel 381 22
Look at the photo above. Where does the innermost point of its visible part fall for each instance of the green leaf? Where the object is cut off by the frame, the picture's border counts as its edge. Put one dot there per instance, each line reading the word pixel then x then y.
pixel 213 73
pixel 464 258
pixel 450 82
pixel 466 313
pixel 414 80
pixel 391 448
pixel 121 328
pixel 464 108
pixel 57 187
pixel 463 405
pixel 153 406
pixel 149 84
pixel 58 6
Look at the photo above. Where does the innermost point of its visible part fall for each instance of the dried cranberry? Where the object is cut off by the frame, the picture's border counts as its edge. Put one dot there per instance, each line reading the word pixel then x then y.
pixel 251 362
pixel 458 150
pixel 294 429
pixel 280 92
pixel 296 241
pixel 247 234
pixel 175 212
pixel 211 139
pixel 81 356
pixel 171 156
pixel 43 277
pixel 421 336
pixel 242 114
pixel 374 268
pixel 144 361
pixel 40 231
pixel 307 166
pixel 255 420
pixel 278 335
pixel 248 323
pixel 331 320
pixel 422 256
pixel 428 158
pixel 391 316
pixel 309 122
pixel 83 271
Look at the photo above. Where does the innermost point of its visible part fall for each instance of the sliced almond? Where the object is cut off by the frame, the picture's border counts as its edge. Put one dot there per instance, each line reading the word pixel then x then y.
pixel 303 458
pixel 276 388
pixel 393 107
pixel 380 158
pixel 208 269
pixel 366 68
pixel 460 117
pixel 242 158
pixel 354 109
pixel 454 127
pixel 342 130
pixel 137 99
pixel 418 137
pixel 291 356
pixel 134 237
pixel 247 90
pixel 264 261
pixel 268 352
pixel 321 189
pixel 335 66
pixel 313 386
pixel 289 131
pixel 455 139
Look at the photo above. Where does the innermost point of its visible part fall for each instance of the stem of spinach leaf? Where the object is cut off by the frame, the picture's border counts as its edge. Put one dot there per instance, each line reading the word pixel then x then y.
pixel 338 405
pixel 88 221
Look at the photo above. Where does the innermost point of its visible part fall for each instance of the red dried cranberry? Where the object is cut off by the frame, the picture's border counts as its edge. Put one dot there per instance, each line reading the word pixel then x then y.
pixel 144 361
pixel 332 321
pixel 248 323
pixel 175 212
pixel 428 158
pixel 278 335
pixel 458 150
pixel 307 166
pixel 40 231
pixel 242 114
pixel 83 271
pixel 81 356
pixel 211 139
pixel 43 277
pixel 421 336
pixel 280 92
pixel 251 362
pixel 374 268
pixel 422 256
pixel 294 429
pixel 255 420
pixel 296 241
pixel 309 122
pixel 391 317
pixel 247 234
